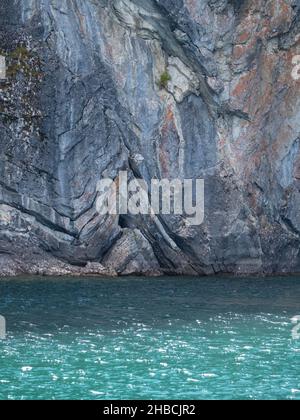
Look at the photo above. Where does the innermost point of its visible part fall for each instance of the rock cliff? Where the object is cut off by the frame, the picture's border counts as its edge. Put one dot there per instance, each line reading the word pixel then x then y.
pixel 82 99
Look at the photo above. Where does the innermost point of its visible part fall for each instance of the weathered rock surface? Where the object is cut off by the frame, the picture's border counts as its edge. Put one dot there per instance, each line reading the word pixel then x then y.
pixel 82 100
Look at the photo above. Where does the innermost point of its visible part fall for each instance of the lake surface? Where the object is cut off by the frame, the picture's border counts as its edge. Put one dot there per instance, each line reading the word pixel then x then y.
pixel 139 338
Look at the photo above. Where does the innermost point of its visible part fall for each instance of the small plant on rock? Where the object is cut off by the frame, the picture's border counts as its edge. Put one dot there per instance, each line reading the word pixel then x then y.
pixel 164 80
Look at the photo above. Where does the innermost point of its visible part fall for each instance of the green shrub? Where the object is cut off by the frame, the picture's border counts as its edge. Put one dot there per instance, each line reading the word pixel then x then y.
pixel 164 80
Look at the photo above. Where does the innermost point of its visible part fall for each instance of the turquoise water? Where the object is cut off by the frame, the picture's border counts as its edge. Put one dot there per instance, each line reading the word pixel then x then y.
pixel 137 338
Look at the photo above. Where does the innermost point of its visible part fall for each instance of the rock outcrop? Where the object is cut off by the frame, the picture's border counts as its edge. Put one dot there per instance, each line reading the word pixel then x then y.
pixel 82 99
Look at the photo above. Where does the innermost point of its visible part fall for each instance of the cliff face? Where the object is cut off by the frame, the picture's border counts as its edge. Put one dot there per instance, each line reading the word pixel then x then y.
pixel 82 100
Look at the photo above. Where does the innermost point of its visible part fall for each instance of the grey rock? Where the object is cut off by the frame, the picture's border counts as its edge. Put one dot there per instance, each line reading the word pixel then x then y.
pixel 132 254
pixel 82 101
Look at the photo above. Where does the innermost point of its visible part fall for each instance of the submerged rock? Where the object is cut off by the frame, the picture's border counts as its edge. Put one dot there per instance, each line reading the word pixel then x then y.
pixel 82 100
